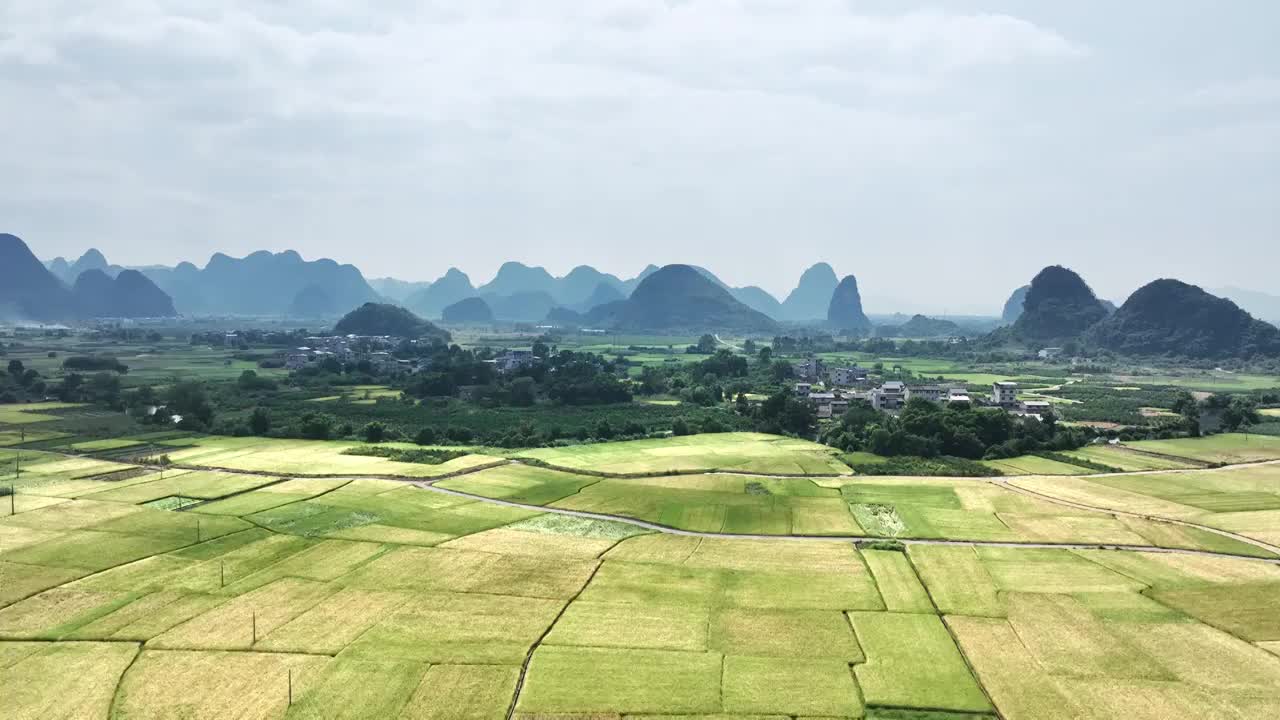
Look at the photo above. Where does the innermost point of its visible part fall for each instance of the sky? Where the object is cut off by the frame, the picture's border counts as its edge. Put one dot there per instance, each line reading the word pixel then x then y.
pixel 941 152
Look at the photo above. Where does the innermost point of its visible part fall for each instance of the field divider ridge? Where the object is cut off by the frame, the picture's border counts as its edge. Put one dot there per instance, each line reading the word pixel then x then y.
pixel 1144 516
pixel 659 527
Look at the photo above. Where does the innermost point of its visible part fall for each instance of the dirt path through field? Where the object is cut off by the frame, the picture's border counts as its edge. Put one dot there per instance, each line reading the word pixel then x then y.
pixel 658 527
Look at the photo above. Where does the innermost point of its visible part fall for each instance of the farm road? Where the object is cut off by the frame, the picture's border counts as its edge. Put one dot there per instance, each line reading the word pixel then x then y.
pixel 656 527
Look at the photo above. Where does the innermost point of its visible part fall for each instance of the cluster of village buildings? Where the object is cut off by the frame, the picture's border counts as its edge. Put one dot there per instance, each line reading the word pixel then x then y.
pixel 376 349
pixel 843 385
pixel 350 349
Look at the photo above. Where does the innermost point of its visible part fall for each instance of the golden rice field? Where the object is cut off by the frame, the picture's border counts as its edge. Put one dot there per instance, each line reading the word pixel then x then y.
pixel 271 596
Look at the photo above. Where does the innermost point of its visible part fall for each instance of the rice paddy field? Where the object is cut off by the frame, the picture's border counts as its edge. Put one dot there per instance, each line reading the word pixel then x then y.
pixel 1244 500
pixel 282 579
pixel 303 457
pixel 743 452
pixel 1228 448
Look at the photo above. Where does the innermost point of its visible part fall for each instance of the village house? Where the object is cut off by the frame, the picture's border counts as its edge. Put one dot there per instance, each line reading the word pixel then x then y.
pixel 889 397
pixel 1005 394
pixel 809 370
pixel 1038 409
pixel 514 360
pixel 847 376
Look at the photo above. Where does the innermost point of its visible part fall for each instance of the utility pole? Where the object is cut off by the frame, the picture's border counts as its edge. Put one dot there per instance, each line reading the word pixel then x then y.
pixel 291 687
pixel 222 574
pixel 255 629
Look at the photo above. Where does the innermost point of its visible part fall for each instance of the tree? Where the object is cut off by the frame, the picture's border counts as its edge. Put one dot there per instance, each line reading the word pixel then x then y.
pixel 604 430
pixel 316 426
pixel 259 421
pixel 1238 414
pixel 679 427
pixel 749 347
pixel 522 392
pixel 765 355
pixel 189 399
pixel 374 432
pixel 425 436
pixel 781 370
pixel 16 368
pixel 706 344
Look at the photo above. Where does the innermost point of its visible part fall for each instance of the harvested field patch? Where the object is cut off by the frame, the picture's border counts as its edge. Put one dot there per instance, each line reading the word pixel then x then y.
pixel 1246 611
pixel 597 680
pixel 642 583
pixel 1092 528
pixel 1100 698
pixel 790 686
pixel 897 582
pixel 214 684
pixel 1035 465
pixel 1184 647
pixel 656 627
pixel 957 580
pixel 1007 671
pixel 1050 571
pixel 358 689
pixel 1127 460
pixel 147 616
pixel 463 692
pixel 409 568
pixel 240 622
pixel 1167 570
pixel 1226 448
pixel 784 634
pixel 334 622
pixel 746 452
pixel 515 542
pixel 93 551
pixel 520 483
pixel 458 628
pixel 64 680
pixel 1068 641
pixel 912 662
pixel 56 612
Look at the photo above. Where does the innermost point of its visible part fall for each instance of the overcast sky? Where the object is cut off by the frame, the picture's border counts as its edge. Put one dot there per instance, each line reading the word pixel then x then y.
pixel 942 153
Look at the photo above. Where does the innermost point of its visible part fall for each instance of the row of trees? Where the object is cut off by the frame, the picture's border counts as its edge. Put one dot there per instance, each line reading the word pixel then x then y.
pixel 927 429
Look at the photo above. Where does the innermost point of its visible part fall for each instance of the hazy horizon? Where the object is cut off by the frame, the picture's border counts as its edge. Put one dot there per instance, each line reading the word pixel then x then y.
pixel 942 153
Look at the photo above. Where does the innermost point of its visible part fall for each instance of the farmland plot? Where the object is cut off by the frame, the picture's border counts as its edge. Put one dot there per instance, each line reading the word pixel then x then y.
pixel 373 598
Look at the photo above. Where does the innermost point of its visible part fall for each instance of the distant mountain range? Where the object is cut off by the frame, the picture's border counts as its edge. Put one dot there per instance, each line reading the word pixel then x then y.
pixel 262 283
pixel 1170 317
pixel 29 291
pixel 844 307
pixel 284 284
pixel 1258 304
pixel 1164 318
pixel 385 319
pixel 1059 304
pixel 585 288
pixel 920 326
pixel 680 297
pixel 1056 307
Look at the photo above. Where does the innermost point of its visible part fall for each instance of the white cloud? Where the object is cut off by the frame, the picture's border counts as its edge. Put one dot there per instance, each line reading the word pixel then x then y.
pixel 615 132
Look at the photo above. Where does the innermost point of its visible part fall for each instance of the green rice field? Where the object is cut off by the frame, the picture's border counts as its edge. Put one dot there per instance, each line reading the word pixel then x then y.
pixel 1228 448
pixel 744 452
pixel 227 587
